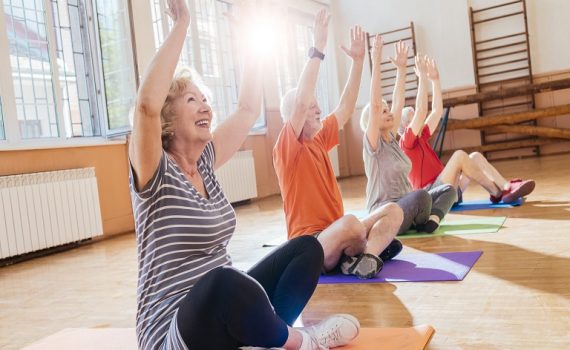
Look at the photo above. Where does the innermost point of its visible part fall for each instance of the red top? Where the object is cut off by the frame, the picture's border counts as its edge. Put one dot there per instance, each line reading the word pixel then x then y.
pixel 426 166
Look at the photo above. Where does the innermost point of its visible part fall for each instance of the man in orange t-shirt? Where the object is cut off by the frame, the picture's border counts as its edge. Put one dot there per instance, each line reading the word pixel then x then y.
pixel 311 197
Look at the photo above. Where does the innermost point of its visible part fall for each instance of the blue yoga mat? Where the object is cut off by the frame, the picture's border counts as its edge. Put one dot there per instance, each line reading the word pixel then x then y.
pixel 485 204
pixel 420 267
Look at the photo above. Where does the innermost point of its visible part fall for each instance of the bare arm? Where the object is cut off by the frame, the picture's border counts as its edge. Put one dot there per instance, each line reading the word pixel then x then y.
pixel 145 147
pixel 437 102
pixel 376 105
pixel 417 123
pixel 230 135
pixel 347 103
pixel 399 95
pixel 308 80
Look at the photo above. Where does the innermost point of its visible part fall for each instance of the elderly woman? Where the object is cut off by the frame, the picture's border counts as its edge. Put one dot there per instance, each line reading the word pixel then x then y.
pixel 189 296
pixel 386 165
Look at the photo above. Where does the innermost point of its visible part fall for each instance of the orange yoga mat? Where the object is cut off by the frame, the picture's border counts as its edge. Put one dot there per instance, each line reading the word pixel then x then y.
pixel 413 338
pixel 88 339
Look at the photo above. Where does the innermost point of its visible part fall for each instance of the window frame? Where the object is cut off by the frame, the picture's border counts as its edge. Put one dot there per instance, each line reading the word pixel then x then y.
pixel 195 56
pixel 327 76
pixel 93 65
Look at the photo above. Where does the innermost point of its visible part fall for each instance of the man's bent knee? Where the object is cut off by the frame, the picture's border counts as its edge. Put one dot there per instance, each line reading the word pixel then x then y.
pixel 352 226
pixel 394 212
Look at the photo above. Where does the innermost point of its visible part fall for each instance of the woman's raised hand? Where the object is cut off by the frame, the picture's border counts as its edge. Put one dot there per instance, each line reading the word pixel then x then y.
pixel 357 44
pixel 377 47
pixel 178 11
pixel 400 59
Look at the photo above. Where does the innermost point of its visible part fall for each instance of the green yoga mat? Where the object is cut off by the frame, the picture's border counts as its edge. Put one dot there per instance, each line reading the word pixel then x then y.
pixel 456 225
pixel 462 226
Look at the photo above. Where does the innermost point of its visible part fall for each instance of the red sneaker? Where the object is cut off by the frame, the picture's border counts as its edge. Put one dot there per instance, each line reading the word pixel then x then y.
pixel 497 199
pixel 517 189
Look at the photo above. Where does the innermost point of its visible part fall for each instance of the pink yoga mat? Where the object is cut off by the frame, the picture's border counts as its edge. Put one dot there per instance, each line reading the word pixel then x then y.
pixel 417 267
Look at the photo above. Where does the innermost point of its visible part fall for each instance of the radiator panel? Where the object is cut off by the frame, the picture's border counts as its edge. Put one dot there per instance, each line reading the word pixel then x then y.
pixel 44 210
pixel 237 177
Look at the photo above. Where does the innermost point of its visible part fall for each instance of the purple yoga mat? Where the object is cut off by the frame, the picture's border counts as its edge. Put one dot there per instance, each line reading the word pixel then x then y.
pixel 420 267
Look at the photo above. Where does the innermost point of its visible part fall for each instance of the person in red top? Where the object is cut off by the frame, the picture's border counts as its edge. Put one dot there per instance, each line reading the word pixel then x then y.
pixel 427 169
pixel 311 198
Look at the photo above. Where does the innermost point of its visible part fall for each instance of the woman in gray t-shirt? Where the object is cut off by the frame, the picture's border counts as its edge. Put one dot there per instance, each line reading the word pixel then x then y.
pixel 386 165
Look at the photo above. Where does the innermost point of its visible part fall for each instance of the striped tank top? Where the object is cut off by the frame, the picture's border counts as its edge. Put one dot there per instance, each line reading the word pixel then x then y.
pixel 180 237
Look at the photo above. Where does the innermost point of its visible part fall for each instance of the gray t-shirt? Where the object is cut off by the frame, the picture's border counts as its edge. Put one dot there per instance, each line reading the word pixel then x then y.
pixel 181 236
pixel 387 171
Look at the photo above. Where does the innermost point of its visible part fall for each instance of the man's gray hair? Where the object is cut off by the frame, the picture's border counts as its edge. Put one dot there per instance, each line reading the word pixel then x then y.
pixel 288 104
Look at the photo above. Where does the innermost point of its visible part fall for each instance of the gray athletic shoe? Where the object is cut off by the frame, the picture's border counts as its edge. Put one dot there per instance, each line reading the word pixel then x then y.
pixel 363 266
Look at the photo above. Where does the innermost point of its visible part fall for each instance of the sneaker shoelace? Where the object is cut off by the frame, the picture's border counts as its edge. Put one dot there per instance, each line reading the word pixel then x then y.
pixel 330 336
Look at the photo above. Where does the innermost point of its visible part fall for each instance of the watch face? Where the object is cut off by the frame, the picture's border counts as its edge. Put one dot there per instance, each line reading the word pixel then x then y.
pixel 313 52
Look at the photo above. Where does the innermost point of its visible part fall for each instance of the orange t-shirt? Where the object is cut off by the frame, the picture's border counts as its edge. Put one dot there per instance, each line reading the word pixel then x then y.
pixel 311 197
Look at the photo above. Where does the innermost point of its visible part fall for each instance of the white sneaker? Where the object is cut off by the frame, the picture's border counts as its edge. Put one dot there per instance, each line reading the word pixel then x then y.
pixel 336 330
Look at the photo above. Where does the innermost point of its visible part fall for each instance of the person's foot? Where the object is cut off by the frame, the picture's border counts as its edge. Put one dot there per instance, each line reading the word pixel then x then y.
pixel 336 330
pixel 393 249
pixel 429 227
pixel 363 266
pixel 516 189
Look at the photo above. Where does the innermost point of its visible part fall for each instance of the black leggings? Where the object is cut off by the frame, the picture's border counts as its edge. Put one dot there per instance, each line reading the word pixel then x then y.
pixel 228 308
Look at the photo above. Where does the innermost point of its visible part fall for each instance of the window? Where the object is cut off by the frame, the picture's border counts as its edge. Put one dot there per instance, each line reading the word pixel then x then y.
pixel 294 55
pixel 32 69
pixel 71 76
pixel 74 66
pixel 117 62
pixel 209 49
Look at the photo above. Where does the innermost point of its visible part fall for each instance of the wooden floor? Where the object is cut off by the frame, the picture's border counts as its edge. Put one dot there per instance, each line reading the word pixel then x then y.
pixel 516 297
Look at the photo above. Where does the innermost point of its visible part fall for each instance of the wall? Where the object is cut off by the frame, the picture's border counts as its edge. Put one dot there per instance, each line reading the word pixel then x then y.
pixel 111 169
pixel 442 31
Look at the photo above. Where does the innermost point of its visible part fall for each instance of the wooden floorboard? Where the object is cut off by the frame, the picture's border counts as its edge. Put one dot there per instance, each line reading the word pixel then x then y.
pixel 516 297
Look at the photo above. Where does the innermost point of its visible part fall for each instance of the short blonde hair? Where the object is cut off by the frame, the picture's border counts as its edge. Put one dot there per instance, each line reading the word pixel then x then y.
pixel 183 77
pixel 365 115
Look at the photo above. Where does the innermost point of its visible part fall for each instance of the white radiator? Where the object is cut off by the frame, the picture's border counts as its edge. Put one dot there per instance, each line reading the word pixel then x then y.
pixel 44 210
pixel 237 177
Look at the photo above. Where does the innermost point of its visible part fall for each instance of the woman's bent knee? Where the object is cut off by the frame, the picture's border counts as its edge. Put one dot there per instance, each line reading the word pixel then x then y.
pixel 476 156
pixel 422 197
pixel 310 246
pixel 459 156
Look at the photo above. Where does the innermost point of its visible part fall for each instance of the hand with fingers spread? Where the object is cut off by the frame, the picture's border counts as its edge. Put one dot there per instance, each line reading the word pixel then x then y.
pixel 321 30
pixel 401 55
pixel 377 47
pixel 432 71
pixel 357 44
pixel 421 68
pixel 178 11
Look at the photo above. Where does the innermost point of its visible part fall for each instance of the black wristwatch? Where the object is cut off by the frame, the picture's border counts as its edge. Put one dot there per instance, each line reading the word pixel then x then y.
pixel 314 52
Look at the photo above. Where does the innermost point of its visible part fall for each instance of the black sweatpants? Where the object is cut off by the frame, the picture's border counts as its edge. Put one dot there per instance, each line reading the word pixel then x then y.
pixel 228 308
